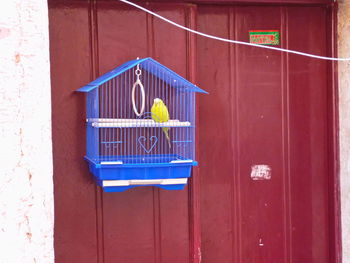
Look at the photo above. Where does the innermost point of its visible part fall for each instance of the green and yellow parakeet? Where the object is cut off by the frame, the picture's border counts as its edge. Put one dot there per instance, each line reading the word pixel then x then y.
pixel 160 114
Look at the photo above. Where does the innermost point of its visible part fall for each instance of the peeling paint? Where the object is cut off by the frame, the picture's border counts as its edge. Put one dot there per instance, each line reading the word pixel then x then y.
pixel 17 58
pixel 4 32
pixel 261 244
pixel 261 172
pixel 200 255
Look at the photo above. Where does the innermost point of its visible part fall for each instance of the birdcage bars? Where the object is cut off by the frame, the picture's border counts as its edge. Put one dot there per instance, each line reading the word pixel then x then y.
pixel 119 136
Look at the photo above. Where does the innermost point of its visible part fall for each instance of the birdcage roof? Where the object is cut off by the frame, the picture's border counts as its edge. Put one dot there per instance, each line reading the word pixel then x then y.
pixel 162 73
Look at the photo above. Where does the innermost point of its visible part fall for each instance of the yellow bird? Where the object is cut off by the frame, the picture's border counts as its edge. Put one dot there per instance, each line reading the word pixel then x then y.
pixel 160 114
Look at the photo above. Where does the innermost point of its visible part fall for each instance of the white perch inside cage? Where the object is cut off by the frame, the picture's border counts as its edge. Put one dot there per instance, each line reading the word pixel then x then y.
pixel 120 120
pixel 134 123
pixel 121 162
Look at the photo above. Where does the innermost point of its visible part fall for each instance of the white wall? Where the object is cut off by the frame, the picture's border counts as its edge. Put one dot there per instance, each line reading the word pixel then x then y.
pixel 344 102
pixel 26 187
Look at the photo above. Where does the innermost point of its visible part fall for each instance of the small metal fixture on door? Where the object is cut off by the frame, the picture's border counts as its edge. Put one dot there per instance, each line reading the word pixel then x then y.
pixel 140 127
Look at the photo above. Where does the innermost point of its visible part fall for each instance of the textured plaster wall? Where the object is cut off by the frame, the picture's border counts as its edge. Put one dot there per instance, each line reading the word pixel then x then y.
pixel 344 103
pixel 26 187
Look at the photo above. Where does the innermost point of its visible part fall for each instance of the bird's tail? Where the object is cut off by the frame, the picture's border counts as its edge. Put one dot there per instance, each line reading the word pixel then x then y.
pixel 166 132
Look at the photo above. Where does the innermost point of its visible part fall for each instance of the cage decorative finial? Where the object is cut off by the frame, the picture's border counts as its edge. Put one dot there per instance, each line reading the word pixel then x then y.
pixel 138 82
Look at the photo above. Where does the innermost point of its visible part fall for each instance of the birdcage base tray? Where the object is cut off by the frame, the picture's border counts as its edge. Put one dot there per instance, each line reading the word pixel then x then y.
pixel 123 185
pixel 117 176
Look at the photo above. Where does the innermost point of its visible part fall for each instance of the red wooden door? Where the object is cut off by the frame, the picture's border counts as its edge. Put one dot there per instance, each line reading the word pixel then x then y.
pixel 146 224
pixel 264 108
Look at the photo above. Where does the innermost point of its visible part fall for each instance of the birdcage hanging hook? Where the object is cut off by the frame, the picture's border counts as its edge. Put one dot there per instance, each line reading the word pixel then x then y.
pixel 138 82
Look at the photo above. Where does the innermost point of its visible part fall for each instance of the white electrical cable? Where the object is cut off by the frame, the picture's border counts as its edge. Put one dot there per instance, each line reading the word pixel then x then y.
pixel 230 40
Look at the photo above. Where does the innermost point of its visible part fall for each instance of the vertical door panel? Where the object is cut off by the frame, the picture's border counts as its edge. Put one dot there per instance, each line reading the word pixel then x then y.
pixel 259 111
pixel 215 135
pixel 170 49
pixel 308 136
pixel 128 217
pixel 269 109
pixel 145 224
pixel 74 191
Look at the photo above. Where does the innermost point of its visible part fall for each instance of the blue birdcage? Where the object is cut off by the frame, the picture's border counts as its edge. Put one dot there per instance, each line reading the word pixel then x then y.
pixel 131 139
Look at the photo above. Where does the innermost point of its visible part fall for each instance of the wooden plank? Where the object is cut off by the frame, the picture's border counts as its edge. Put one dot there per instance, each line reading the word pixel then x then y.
pixel 194 184
pixel 278 109
pixel 75 201
pixel 215 140
pixel 170 47
pixel 259 109
pixel 309 182
pixel 128 220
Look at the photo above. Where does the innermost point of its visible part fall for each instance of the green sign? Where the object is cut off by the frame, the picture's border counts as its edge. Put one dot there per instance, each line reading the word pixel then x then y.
pixel 264 37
